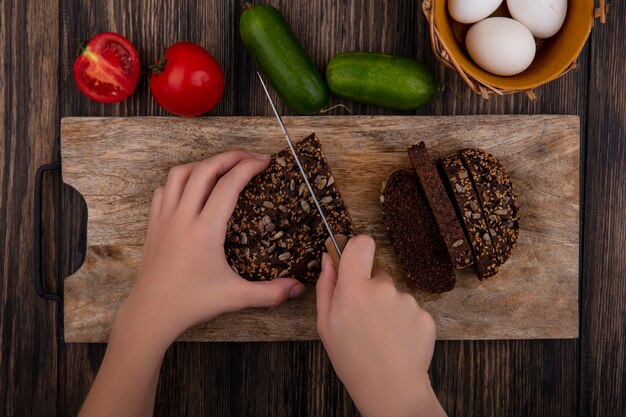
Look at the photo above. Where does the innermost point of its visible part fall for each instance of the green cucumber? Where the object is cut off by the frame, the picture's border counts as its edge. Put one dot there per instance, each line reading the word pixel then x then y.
pixel 384 80
pixel 273 45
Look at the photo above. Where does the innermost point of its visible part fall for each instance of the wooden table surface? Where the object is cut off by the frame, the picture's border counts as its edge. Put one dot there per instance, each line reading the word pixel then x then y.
pixel 40 375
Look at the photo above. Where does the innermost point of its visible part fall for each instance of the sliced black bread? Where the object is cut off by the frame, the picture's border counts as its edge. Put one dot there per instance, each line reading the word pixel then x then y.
pixel 497 197
pixel 275 230
pixel 464 197
pixel 447 221
pixel 414 233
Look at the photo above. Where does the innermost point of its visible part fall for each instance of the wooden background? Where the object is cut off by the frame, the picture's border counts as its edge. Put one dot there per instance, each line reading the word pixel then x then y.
pixel 42 376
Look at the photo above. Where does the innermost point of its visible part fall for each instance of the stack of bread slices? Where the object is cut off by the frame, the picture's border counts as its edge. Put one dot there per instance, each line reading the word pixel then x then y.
pixel 460 211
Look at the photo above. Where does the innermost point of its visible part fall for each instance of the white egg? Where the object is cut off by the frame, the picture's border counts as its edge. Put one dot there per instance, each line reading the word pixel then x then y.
pixel 543 18
pixel 501 45
pixel 471 11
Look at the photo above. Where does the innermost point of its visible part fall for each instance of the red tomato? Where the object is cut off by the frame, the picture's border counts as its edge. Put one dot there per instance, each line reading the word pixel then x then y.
pixel 107 70
pixel 188 82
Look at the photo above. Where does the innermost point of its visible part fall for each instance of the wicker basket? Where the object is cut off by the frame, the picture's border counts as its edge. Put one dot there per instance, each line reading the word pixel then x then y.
pixel 555 58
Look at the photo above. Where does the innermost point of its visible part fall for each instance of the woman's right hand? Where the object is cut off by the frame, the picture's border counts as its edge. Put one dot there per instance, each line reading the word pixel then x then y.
pixel 379 340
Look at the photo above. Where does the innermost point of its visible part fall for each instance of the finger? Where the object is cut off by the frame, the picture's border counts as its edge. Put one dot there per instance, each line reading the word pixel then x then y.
pixel 205 175
pixel 325 289
pixel 153 217
pixel 357 260
pixel 155 207
pixel 174 186
pixel 155 212
pixel 221 203
pixel 266 293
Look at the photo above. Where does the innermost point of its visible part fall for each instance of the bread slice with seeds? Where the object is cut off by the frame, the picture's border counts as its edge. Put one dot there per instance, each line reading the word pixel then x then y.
pixel 275 229
pixel 497 197
pixel 414 233
pixel 465 199
pixel 441 206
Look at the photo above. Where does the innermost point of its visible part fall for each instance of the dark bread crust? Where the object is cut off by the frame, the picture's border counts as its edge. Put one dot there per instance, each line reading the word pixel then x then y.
pixel 462 193
pixel 414 233
pixel 441 206
pixel 497 197
pixel 275 230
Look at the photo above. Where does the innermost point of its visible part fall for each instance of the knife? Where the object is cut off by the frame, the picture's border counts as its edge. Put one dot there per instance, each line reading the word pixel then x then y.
pixel 306 179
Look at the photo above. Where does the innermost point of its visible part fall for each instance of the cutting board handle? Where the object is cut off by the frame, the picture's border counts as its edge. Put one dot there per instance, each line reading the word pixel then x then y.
pixel 37 229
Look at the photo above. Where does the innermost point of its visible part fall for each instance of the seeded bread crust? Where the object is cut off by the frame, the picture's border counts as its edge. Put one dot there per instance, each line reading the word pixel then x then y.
pixel 497 197
pixel 441 206
pixel 462 193
pixel 414 233
pixel 275 230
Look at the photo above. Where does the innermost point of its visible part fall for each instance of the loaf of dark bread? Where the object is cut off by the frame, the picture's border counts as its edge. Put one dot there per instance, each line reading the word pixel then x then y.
pixel 497 197
pixel 275 229
pixel 414 233
pixel 441 206
pixel 464 197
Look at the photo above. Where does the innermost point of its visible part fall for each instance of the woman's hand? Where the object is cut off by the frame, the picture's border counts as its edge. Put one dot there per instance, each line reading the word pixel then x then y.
pixel 184 278
pixel 379 340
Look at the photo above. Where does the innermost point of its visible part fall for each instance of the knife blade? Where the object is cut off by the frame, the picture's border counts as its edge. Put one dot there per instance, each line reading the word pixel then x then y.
pixel 301 168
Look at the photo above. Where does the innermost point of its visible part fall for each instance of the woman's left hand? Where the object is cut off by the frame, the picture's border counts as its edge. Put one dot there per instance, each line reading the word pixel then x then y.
pixel 184 278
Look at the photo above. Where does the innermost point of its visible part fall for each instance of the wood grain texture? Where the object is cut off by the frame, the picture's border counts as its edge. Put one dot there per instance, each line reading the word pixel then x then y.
pixel 28 122
pixel 117 163
pixel 603 323
pixel 471 378
pixel 387 26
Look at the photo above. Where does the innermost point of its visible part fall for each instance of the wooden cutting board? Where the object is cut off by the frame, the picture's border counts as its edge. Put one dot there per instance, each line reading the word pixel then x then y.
pixel 115 163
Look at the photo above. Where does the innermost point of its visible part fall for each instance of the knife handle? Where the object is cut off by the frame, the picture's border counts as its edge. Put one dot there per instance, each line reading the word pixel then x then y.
pixel 342 240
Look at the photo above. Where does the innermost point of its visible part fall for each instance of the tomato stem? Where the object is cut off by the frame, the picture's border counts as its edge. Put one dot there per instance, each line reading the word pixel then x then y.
pixel 246 6
pixel 157 67
pixel 81 46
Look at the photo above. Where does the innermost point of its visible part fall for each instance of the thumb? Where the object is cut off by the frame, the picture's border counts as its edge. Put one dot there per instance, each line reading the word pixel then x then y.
pixel 357 260
pixel 325 289
pixel 268 293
